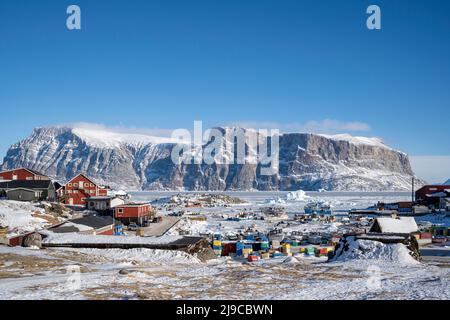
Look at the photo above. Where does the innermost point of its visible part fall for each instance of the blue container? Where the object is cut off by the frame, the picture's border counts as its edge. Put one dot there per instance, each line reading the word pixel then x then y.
pixel 239 247
pixel 217 248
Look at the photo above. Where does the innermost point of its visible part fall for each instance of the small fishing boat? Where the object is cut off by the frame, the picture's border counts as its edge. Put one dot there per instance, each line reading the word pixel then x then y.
pixel 318 208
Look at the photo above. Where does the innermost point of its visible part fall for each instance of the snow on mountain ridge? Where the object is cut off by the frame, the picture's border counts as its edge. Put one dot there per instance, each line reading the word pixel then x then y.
pixel 110 139
pixel 100 137
pixel 139 161
pixel 373 141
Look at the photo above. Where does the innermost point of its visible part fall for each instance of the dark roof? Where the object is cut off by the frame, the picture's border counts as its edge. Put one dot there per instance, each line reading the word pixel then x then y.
pixel 57 185
pixel 94 221
pixel 65 229
pixel 28 184
pixel 437 186
pixel 130 205
pixel 25 189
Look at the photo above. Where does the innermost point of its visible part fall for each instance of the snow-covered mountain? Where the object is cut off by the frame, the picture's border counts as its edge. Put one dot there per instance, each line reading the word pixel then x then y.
pixel 143 162
pixel 447 182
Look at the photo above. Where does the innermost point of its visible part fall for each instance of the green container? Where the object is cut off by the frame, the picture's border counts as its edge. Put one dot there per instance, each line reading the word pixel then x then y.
pixel 264 245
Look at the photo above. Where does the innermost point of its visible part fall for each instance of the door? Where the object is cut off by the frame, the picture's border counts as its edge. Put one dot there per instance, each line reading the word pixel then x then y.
pixel 71 201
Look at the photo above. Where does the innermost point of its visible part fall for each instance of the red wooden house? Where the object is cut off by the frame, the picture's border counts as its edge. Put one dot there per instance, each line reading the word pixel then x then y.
pixel 79 189
pixel 425 194
pixel 139 213
pixel 22 174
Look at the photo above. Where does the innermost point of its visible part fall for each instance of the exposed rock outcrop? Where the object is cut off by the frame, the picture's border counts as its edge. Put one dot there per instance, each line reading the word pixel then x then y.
pixel 139 162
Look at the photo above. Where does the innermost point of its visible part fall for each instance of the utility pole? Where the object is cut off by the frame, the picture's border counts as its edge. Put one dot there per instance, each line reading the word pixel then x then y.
pixel 413 205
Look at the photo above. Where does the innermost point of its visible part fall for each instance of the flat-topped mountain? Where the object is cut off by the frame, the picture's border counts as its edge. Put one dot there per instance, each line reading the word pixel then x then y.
pixel 143 162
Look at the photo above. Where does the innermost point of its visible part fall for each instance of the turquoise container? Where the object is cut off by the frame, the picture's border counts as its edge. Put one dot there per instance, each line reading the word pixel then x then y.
pixel 265 245
pixel 310 251
pixel 239 247
pixel 277 254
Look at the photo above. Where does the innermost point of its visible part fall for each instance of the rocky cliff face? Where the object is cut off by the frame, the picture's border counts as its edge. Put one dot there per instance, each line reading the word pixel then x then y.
pixel 138 162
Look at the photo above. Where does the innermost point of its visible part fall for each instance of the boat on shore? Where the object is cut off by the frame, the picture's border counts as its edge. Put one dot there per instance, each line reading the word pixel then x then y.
pixel 318 208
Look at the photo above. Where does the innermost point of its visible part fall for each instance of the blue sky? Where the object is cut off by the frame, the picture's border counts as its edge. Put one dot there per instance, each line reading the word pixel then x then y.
pixel 298 65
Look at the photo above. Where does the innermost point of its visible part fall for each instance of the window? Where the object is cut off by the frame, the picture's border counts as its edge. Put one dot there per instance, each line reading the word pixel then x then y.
pixel 120 210
pixel 92 191
pixel 75 191
pixel 75 185
pixel 29 178
pixel 92 185
pixel 70 191
pixel 70 185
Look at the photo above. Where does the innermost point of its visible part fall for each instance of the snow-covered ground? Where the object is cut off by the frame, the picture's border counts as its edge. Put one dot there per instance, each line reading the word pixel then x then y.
pixel 22 217
pixel 154 274
pixel 377 271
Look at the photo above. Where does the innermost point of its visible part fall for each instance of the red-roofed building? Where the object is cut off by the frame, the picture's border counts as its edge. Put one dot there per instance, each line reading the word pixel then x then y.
pixel 79 189
pixel 424 193
pixel 434 196
pixel 22 174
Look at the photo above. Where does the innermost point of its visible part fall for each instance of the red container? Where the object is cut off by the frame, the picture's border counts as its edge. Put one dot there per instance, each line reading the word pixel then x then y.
pixel 425 235
pixel 253 258
pixel 16 241
pixel 323 252
pixel 228 248
pixel 231 247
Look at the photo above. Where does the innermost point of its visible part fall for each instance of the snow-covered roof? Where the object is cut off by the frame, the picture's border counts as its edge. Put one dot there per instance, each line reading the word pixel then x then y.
pixel 401 225
pixel 65 238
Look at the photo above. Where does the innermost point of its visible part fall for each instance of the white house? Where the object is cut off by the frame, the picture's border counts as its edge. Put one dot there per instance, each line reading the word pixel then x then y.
pixel 104 203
